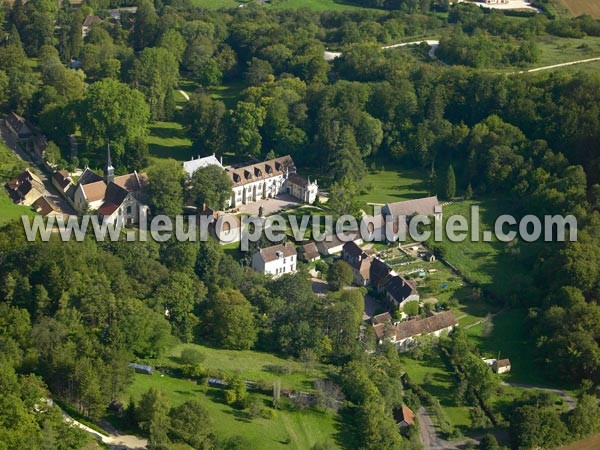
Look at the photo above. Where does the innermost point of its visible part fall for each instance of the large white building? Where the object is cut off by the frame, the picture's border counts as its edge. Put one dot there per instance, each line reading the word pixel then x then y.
pixel 276 260
pixel 269 179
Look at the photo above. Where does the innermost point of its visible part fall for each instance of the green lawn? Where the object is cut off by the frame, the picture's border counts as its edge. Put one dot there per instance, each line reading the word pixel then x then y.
pixel 10 165
pixel 169 140
pixel 302 429
pixel 252 365
pixel 315 5
pixel 490 264
pixel 9 211
pixel 228 93
pixel 507 333
pixel 393 185
pixel 432 375
pixel 216 4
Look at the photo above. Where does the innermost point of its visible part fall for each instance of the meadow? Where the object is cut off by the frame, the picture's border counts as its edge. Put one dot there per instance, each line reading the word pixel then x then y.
pixel 288 429
pixel 555 50
pixel 491 265
pixel 9 211
pixel 392 184
pixel 252 365
pixel 169 140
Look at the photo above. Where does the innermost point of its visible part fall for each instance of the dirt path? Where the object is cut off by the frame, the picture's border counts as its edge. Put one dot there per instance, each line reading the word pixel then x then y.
pixel 330 56
pixel 184 94
pixel 114 439
pixel 430 439
pixel 554 66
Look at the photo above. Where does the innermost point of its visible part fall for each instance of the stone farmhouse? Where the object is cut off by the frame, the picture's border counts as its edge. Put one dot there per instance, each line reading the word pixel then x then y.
pixel 391 214
pixel 27 135
pixel 275 260
pixel 369 270
pixel 26 188
pixel 405 334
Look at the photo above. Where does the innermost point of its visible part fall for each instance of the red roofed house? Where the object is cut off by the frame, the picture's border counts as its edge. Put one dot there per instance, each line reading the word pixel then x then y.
pixel 404 416
pixel 309 252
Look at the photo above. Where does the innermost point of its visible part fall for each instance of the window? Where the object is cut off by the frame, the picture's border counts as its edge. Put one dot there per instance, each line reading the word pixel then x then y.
pixel 129 209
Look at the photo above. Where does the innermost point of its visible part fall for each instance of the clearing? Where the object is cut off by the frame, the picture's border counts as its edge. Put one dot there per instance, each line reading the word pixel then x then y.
pixel 289 429
pixel 169 140
pixel 393 185
pixel 252 365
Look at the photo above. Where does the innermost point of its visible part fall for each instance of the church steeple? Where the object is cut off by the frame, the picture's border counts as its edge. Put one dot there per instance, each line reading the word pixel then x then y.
pixel 109 170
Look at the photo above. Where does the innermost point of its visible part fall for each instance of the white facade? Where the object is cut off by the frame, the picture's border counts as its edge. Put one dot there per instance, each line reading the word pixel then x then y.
pixel 257 190
pixel 81 200
pixel 130 212
pixel 276 260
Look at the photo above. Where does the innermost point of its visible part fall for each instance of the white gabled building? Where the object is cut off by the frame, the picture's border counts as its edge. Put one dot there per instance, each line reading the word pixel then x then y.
pixel 276 260
pixel 194 164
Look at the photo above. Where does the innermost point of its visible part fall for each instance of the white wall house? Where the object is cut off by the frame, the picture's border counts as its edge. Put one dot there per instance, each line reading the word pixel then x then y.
pixel 276 260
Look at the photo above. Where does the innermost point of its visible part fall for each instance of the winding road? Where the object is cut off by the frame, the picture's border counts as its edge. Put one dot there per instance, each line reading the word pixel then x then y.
pixel 434 44
pixel 113 438
pixel 431 441
pixel 330 56
pixel 570 401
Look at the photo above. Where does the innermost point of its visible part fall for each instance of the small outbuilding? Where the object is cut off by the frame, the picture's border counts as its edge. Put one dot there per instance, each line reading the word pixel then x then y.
pixel 501 365
pixel 142 368
pixel 404 417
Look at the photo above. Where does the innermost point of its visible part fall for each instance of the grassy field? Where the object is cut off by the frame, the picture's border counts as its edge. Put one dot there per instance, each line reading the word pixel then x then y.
pixel 578 7
pixel 490 265
pixel 393 185
pixel 9 211
pixel 228 94
pixel 555 50
pixel 10 164
pixel 507 334
pixel 315 5
pixel 169 140
pixel 216 4
pixel 252 365
pixel 288 430
pixel 433 376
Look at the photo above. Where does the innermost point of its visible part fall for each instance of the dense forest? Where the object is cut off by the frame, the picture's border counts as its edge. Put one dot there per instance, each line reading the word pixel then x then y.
pixel 75 314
